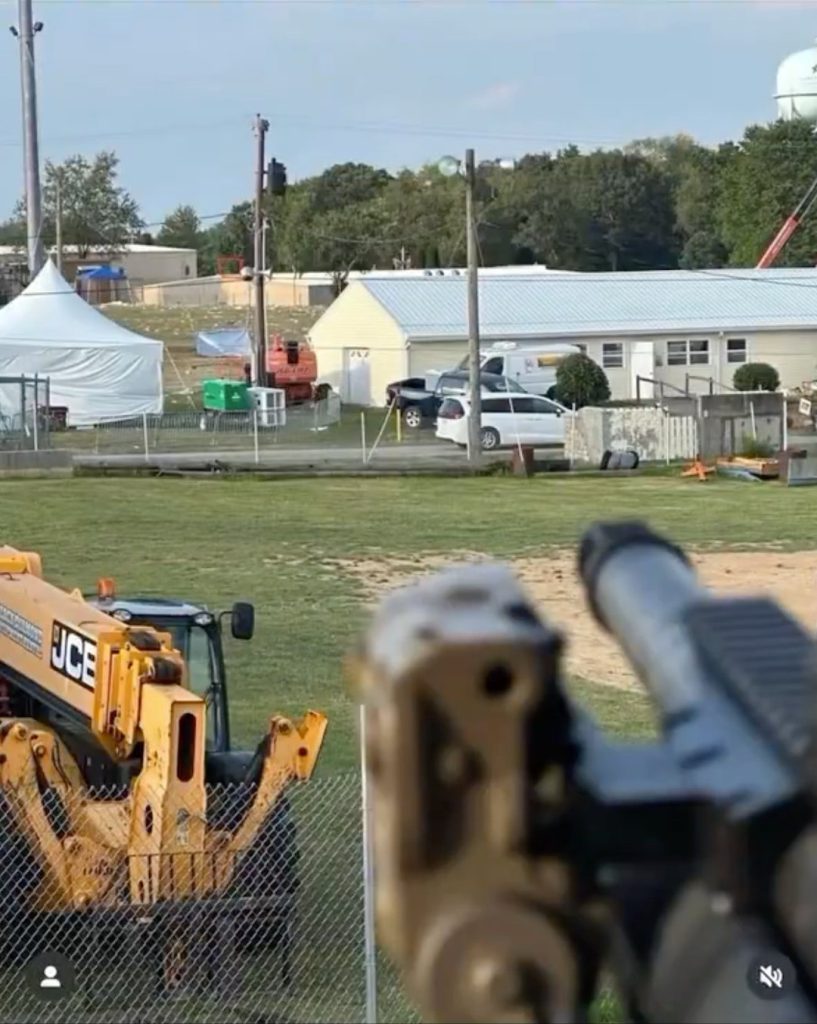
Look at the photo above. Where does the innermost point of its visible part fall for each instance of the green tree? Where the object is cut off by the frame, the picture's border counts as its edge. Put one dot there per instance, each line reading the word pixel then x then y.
pixel 181 229
pixel 13 233
pixel 764 177
pixel 580 381
pixel 343 185
pixel 232 236
pixel 756 377
pixel 97 213
pixel 602 211
pixel 694 173
pixel 426 212
pixel 703 250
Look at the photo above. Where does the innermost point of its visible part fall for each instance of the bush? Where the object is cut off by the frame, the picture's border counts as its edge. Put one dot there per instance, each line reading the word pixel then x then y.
pixel 752 449
pixel 580 381
pixel 756 377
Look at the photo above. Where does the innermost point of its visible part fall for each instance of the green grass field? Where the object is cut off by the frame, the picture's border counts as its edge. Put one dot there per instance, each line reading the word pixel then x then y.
pixel 274 542
pixel 277 543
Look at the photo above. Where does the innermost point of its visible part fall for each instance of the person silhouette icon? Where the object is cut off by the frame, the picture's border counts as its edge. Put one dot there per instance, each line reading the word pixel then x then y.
pixel 51 976
pixel 50 979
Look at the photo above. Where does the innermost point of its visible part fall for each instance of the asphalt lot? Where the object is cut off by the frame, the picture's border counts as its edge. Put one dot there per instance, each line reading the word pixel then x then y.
pixel 412 456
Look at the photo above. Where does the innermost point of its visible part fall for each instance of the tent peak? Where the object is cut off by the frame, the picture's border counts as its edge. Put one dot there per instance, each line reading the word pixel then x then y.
pixel 49 281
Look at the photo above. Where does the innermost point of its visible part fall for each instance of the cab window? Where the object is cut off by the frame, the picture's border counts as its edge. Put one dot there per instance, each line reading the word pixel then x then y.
pixel 193 644
pixel 494 365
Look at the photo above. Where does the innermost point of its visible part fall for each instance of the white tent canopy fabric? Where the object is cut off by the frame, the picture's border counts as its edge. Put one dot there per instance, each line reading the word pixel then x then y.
pixel 97 369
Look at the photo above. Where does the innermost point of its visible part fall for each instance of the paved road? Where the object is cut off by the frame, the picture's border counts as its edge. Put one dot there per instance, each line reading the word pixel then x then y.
pixel 280 457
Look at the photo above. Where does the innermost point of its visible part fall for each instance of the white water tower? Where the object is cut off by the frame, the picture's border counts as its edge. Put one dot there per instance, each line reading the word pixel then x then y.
pixel 796 92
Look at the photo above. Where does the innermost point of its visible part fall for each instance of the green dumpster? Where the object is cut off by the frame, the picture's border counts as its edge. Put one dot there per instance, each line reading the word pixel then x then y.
pixel 226 395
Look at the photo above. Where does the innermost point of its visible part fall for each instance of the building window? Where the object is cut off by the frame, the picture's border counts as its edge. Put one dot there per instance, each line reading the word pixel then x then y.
pixel 612 354
pixel 736 350
pixel 692 353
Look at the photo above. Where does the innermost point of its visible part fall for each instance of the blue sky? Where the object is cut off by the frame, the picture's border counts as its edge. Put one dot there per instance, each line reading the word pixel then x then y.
pixel 172 85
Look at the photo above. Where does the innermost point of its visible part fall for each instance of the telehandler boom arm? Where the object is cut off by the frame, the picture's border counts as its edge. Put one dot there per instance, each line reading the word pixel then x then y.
pixel 128 687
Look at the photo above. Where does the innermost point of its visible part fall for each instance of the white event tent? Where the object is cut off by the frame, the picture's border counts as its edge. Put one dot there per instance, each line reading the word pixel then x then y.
pixel 97 369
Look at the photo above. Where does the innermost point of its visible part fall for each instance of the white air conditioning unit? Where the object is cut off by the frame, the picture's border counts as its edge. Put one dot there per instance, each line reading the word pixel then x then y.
pixel 271 405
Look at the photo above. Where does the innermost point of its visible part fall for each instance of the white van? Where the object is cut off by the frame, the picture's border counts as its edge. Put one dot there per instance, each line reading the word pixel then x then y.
pixel 505 420
pixel 533 367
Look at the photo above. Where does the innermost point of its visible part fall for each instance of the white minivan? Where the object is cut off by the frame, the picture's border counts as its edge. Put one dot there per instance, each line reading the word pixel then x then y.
pixel 532 367
pixel 506 420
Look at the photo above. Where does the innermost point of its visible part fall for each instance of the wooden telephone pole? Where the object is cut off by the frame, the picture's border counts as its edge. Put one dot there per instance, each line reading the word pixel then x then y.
pixel 261 129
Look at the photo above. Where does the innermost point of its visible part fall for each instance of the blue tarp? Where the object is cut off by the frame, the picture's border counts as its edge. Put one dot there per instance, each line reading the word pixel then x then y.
pixel 101 273
pixel 224 341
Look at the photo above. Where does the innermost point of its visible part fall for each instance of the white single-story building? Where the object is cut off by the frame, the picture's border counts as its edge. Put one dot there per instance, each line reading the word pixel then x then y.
pixel 683 328
pixel 143 264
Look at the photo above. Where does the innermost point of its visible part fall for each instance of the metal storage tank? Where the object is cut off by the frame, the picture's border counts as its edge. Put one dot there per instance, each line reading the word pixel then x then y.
pixel 796 92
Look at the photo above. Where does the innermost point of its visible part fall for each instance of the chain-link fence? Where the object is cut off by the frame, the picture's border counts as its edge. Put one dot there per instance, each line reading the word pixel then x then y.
pixel 206 431
pixel 26 417
pixel 229 923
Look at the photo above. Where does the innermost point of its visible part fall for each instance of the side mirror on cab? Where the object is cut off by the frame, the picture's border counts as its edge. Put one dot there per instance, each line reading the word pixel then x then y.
pixel 242 621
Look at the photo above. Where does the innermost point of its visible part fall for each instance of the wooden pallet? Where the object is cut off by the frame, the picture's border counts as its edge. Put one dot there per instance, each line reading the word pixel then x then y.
pixel 765 469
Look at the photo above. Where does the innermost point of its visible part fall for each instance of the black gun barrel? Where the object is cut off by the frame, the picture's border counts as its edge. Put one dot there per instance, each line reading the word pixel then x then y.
pixel 676 635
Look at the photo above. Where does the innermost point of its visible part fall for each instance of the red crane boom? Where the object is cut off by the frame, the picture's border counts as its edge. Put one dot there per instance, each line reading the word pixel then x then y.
pixel 790 225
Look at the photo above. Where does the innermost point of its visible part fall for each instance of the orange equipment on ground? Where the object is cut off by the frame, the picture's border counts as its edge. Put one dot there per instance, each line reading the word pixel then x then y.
pixel 292 366
pixel 699 469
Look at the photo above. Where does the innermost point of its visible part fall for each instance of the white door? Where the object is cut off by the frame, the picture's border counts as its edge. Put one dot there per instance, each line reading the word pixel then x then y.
pixel 642 364
pixel 545 423
pixel 357 387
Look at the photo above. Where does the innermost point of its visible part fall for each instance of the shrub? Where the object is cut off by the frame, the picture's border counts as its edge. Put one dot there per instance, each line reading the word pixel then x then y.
pixel 756 377
pixel 580 381
pixel 752 449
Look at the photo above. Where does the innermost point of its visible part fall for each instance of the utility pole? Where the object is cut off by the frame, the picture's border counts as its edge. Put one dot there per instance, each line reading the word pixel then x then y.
pixel 475 419
pixel 31 156
pixel 58 204
pixel 261 128
pixel 403 261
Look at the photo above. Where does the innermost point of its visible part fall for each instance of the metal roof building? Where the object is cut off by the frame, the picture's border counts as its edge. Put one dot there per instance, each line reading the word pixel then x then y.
pixel 666 325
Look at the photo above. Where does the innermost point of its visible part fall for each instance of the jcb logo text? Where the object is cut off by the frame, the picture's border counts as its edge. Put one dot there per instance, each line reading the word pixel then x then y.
pixel 73 655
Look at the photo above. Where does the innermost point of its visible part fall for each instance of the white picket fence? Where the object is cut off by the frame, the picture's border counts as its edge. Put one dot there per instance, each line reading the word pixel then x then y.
pixel 651 431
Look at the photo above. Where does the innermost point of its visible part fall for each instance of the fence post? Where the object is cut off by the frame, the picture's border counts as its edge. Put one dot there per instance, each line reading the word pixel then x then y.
pixel 36 414
pixel 255 432
pixel 363 435
pixel 785 424
pixel 48 412
pixel 370 949
pixel 145 436
pixel 383 426
pixel 754 422
pixel 573 433
pixel 666 434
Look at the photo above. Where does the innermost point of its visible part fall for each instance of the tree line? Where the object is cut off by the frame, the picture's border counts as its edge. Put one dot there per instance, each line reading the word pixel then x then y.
pixel 651 205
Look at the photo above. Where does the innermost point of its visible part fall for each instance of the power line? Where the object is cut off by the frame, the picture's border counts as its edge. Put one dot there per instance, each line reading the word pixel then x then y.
pixel 169 129
pixel 377 127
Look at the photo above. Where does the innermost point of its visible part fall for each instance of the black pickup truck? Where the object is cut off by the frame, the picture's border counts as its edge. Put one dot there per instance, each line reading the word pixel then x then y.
pixel 419 405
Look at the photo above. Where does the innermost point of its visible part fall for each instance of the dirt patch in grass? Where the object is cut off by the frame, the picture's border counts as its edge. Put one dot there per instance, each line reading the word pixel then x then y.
pixel 553 584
